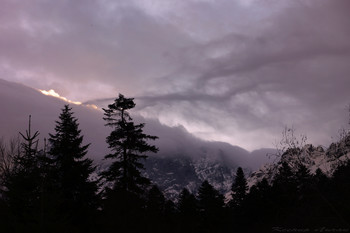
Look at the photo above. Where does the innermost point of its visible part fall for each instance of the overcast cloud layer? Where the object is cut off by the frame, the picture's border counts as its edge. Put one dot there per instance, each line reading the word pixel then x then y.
pixel 235 71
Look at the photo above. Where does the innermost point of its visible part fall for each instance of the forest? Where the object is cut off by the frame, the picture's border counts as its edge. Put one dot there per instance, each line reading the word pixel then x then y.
pixel 51 189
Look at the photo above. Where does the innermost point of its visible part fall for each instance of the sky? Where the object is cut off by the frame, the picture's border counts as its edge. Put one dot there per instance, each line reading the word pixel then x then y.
pixel 232 71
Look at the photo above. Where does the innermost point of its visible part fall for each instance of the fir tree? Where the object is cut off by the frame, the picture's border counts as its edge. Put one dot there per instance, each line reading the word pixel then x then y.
pixel 22 184
pixel 155 201
pixel 188 211
pixel 285 177
pixel 155 204
pixel 303 179
pixel 187 203
pixel 209 199
pixel 285 194
pixel 125 198
pixel 239 188
pixel 27 161
pixel 128 146
pixel 258 209
pixel 211 204
pixel 77 191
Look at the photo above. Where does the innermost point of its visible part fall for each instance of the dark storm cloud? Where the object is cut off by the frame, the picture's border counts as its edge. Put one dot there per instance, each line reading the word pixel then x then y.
pixel 236 71
pixel 94 42
pixel 295 72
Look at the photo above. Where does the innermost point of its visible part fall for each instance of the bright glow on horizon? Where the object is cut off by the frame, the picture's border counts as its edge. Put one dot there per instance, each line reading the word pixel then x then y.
pixel 55 94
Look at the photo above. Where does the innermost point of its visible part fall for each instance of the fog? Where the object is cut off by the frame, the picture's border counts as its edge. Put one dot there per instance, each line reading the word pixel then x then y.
pixel 18 102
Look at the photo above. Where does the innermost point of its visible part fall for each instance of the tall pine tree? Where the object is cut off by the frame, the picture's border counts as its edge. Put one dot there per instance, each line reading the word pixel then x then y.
pixel 209 199
pixel 239 188
pixel 73 169
pixel 211 204
pixel 124 198
pixel 188 209
pixel 128 146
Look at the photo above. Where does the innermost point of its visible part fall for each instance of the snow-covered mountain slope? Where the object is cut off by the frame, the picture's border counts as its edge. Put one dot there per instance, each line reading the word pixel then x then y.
pixel 175 169
pixel 191 161
pixel 175 173
pixel 327 160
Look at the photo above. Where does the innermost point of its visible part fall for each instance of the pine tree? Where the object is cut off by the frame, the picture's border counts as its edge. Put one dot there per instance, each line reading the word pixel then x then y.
pixel 211 204
pixel 27 161
pixel 22 184
pixel 187 203
pixel 125 193
pixel 258 209
pixel 285 177
pixel 77 191
pixel 284 190
pixel 155 207
pixel 155 201
pixel 188 212
pixel 239 188
pixel 303 179
pixel 209 199
pixel 128 146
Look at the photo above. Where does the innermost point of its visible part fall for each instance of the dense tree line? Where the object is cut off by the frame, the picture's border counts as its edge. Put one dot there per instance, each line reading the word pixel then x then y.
pixel 50 189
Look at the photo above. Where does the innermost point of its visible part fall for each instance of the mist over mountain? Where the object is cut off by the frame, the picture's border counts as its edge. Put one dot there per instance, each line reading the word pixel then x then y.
pixel 19 101
pixel 183 160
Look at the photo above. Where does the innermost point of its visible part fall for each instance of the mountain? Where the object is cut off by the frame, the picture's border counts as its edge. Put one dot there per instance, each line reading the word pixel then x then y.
pixel 313 157
pixel 215 162
pixel 172 174
pixel 183 160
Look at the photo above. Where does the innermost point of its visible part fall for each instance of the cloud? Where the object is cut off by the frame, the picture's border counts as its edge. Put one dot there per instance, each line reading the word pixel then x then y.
pixel 293 72
pixel 95 44
pixel 19 101
pixel 236 71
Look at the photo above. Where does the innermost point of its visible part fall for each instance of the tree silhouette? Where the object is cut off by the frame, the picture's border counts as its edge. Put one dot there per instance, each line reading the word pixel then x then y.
pixel 128 146
pixel 211 204
pixel 259 209
pixel 124 199
pixel 77 191
pixel 209 199
pixel 22 183
pixel 155 201
pixel 188 211
pixel 239 188
pixel 155 208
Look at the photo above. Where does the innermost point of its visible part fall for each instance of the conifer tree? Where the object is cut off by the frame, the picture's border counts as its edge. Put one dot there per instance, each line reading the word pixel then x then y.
pixel 155 201
pixel 128 146
pixel 73 169
pixel 211 204
pixel 209 199
pixel 125 196
pixel 239 188
pixel 27 161
pixel 303 178
pixel 187 203
pixel 187 207
pixel 285 177
pixel 23 183
pixel 284 189
pixel 155 207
